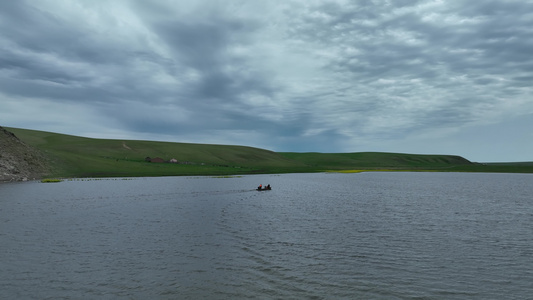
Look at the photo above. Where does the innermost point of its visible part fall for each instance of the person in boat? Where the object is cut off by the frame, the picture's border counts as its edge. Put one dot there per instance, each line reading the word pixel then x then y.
pixel 268 186
pixel 260 187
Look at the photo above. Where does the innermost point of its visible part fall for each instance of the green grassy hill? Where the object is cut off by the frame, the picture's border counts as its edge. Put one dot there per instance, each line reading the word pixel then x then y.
pixel 74 156
pixel 377 160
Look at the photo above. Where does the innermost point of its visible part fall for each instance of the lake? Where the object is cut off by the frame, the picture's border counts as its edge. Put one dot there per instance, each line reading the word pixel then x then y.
pixel 373 235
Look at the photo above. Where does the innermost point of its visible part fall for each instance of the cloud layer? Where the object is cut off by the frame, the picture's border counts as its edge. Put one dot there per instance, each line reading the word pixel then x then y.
pixel 330 76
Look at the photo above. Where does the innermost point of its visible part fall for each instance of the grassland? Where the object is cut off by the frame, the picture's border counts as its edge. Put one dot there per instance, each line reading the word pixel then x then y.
pixel 51 180
pixel 74 156
pixel 377 160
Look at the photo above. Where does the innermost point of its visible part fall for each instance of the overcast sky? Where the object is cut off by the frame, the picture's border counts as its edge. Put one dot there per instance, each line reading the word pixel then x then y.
pixel 428 77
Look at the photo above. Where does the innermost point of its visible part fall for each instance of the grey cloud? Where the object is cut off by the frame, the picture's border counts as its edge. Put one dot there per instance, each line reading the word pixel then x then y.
pixel 312 76
pixel 33 29
pixel 205 45
pixel 378 42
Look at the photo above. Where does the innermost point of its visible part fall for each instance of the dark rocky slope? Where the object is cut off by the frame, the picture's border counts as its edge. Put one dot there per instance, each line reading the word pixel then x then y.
pixel 19 161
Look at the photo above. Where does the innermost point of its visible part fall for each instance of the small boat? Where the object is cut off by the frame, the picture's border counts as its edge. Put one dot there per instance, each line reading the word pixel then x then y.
pixel 266 188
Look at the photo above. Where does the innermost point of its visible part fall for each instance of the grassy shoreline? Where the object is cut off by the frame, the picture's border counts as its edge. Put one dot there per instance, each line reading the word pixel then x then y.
pixel 78 157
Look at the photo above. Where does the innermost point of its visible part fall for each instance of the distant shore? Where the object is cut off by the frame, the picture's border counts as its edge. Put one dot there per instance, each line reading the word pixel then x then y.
pixel 77 157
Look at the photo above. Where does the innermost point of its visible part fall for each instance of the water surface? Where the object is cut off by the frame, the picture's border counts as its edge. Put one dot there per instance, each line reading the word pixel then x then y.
pixel 314 236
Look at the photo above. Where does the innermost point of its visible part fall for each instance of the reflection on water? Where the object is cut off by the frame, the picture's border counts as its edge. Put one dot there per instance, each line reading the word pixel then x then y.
pixel 367 235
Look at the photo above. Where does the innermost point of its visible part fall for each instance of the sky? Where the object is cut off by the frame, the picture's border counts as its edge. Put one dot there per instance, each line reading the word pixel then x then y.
pixel 425 77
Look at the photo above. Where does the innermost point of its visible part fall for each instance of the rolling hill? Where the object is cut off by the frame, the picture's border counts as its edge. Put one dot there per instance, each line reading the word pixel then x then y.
pixel 74 156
